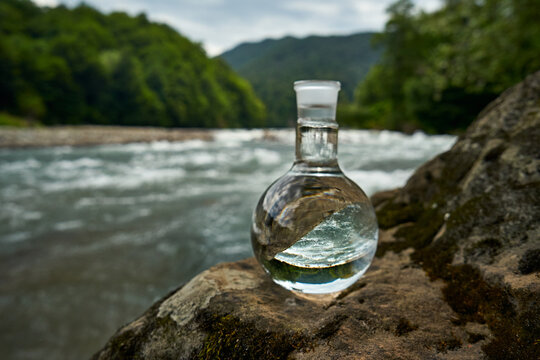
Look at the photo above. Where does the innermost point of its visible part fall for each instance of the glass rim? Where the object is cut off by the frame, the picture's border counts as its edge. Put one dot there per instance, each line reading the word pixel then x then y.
pixel 317 84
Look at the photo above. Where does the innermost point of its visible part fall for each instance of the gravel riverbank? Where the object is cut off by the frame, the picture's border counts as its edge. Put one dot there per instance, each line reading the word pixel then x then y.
pixel 11 137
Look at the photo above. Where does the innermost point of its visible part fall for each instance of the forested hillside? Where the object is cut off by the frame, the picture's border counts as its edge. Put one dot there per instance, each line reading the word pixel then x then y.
pixel 440 69
pixel 272 66
pixel 75 66
pixel 434 71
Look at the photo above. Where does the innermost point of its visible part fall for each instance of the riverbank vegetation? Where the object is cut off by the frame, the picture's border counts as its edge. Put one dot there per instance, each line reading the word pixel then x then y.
pixel 439 69
pixel 79 66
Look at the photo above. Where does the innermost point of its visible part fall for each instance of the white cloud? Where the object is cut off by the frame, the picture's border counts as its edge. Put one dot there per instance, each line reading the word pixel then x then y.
pixel 51 3
pixel 313 8
pixel 221 24
pixel 428 5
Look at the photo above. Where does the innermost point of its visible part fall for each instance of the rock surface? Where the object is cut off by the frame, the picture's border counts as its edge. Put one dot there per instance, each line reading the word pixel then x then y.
pixel 456 276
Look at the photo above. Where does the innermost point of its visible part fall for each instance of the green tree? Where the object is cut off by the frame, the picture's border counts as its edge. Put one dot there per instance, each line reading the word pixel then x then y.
pixel 440 69
pixel 74 66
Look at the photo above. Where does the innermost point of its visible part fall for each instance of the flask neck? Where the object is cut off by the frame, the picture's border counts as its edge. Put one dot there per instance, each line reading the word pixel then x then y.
pixel 316 137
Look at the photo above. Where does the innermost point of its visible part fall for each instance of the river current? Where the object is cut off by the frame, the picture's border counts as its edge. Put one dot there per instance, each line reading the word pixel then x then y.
pixel 92 236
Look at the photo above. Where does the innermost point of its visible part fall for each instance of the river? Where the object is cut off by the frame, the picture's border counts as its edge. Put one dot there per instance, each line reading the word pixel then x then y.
pixel 92 236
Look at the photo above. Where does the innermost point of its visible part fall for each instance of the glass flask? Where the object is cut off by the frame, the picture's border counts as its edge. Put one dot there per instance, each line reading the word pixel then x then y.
pixel 314 230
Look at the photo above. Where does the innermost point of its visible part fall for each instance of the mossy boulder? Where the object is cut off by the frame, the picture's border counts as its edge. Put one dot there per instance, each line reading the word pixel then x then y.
pixel 456 276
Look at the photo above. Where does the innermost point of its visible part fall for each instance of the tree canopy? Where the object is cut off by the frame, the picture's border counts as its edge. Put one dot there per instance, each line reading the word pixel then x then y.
pixel 439 69
pixel 75 66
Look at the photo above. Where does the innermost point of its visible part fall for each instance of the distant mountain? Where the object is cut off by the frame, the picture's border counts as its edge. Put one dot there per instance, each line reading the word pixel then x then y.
pixel 271 66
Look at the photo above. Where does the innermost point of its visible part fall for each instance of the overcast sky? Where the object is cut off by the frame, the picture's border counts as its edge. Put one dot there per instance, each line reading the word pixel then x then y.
pixel 221 24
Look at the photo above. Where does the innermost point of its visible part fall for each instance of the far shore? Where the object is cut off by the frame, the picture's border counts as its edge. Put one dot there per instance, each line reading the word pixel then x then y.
pixel 93 135
pixel 89 135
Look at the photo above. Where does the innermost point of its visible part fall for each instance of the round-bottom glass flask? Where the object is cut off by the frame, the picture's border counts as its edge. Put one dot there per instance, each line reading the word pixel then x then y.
pixel 314 230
